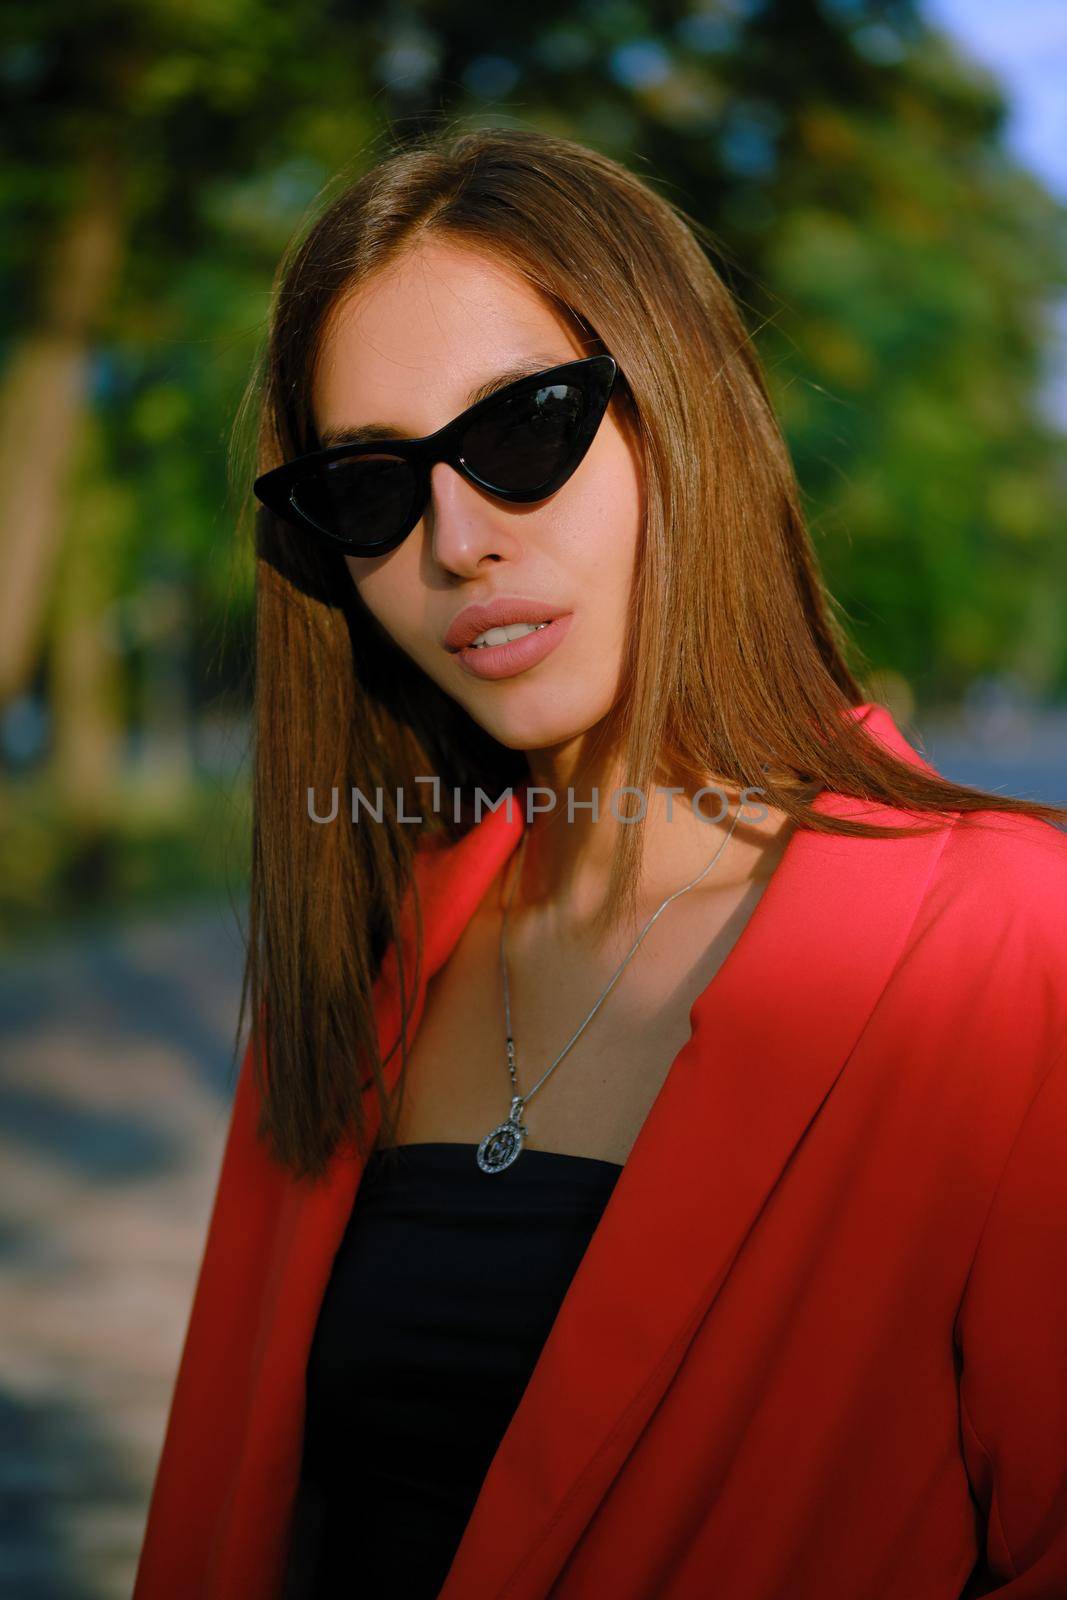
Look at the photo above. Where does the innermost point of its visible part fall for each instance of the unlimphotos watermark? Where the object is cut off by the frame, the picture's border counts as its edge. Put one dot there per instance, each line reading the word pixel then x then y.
pixel 538 798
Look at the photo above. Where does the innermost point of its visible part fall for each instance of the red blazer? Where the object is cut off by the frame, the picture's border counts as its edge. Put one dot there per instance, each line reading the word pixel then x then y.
pixel 817 1347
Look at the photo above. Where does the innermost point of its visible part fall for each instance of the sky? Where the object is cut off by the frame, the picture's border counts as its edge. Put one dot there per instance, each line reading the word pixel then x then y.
pixel 1024 42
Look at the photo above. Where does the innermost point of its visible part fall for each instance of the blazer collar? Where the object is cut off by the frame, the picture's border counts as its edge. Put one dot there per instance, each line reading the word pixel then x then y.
pixel 769 1036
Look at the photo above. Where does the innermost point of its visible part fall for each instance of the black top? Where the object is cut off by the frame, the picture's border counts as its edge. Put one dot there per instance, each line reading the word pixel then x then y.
pixel 443 1291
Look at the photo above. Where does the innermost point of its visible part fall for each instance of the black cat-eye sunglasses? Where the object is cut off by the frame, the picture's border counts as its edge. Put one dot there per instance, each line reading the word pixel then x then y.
pixel 521 443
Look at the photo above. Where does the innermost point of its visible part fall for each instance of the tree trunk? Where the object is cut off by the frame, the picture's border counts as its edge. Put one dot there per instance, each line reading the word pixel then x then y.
pixel 86 683
pixel 42 405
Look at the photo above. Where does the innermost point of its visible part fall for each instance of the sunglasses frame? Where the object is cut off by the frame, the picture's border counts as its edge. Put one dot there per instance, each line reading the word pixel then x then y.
pixel 595 374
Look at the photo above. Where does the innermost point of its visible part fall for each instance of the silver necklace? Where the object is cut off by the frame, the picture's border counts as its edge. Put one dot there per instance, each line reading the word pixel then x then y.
pixel 503 1144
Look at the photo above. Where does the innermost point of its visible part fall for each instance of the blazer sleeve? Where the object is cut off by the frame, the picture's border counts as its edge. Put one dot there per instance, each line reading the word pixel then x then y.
pixel 1012 1332
pixel 203 1432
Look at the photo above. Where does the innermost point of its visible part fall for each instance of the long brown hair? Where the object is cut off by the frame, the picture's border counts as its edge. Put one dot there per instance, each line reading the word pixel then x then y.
pixel 737 663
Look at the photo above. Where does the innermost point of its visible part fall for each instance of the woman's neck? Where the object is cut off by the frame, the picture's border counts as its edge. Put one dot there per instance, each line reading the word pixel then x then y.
pixel 566 863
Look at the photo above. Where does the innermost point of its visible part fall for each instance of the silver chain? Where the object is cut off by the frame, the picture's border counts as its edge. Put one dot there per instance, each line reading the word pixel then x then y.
pixel 520 1100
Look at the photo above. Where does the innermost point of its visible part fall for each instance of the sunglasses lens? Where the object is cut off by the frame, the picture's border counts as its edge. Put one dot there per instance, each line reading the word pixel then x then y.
pixel 525 442
pixel 362 500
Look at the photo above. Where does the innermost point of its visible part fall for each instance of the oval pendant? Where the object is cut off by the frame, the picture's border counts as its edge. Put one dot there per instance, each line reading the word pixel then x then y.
pixel 501 1146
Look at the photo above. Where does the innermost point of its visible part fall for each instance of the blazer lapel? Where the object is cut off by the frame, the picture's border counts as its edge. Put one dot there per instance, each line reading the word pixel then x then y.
pixel 770 1035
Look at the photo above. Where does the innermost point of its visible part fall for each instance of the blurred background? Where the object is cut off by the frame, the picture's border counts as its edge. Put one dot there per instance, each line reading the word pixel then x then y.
pixel 887 183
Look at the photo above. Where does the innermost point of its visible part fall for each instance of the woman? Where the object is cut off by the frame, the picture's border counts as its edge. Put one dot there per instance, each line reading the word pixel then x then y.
pixel 724 1251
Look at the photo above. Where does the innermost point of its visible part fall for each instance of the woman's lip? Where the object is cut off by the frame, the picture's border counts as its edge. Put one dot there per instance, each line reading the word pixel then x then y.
pixel 505 660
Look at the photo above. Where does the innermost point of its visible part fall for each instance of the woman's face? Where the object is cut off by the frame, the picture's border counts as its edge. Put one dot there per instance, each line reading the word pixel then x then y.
pixel 407 351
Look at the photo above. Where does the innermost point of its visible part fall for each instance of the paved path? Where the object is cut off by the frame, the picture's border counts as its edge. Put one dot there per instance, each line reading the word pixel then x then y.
pixel 114 1099
pixel 115 1088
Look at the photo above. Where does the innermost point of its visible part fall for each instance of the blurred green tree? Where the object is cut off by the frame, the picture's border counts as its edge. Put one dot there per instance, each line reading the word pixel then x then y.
pixel 850 172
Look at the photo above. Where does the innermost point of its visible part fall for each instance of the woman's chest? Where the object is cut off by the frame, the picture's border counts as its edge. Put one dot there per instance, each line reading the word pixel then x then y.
pixel 599 1091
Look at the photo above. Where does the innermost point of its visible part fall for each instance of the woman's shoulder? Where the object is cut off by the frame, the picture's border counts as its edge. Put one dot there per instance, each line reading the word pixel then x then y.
pixel 1014 861
pixel 997 904
pixel 982 972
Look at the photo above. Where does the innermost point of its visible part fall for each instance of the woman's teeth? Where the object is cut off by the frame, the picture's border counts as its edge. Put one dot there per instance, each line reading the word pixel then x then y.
pixel 514 630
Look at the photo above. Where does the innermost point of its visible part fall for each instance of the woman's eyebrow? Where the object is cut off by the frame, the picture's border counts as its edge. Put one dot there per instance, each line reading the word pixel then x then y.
pixel 366 431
